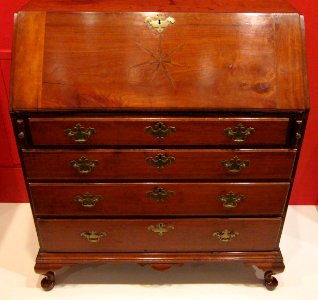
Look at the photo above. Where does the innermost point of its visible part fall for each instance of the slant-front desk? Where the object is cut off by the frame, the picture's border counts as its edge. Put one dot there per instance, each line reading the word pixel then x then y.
pixel 159 132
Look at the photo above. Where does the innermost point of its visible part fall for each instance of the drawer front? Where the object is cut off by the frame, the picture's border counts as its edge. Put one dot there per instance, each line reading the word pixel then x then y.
pixel 167 235
pixel 119 199
pixel 156 164
pixel 159 131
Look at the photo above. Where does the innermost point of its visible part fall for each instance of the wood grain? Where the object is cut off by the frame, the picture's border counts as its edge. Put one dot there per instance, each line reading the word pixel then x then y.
pixel 188 235
pixel 131 199
pixel 202 62
pixel 216 66
pixel 288 32
pixel 46 260
pixel 131 164
pixel 187 131
pixel 27 63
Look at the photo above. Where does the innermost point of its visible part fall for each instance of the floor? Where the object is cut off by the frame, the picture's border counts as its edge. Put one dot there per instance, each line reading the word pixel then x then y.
pixel 19 246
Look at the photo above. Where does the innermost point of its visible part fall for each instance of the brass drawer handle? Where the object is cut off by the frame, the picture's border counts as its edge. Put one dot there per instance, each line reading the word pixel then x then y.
pixel 235 165
pixel 160 131
pixel 93 236
pixel 84 165
pixel 79 135
pixel 230 200
pixel 160 228
pixel 159 194
pixel 87 199
pixel 239 134
pixel 226 235
pixel 160 161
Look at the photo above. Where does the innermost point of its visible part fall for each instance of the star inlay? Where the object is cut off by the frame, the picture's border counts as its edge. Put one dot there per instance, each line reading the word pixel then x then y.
pixel 160 60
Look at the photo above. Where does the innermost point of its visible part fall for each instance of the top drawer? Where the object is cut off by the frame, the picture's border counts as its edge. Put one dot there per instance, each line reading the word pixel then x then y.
pixel 159 131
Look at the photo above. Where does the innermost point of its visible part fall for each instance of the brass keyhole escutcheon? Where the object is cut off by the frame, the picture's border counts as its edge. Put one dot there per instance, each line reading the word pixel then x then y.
pixel 159 22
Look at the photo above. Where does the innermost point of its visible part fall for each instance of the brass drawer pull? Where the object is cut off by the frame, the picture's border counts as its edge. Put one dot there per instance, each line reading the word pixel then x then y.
pixel 93 236
pixel 84 165
pixel 88 200
pixel 239 134
pixel 226 235
pixel 79 135
pixel 160 161
pixel 235 165
pixel 160 131
pixel 159 194
pixel 230 200
pixel 160 228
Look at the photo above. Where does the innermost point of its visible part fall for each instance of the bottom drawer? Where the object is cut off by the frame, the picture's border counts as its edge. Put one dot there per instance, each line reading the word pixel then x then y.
pixel 159 235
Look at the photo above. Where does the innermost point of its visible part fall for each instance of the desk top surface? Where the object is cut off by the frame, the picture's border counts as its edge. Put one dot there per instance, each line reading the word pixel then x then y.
pixel 71 60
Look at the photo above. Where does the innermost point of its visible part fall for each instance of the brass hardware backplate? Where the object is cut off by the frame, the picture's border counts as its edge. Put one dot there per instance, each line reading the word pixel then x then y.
pixel 230 200
pixel 20 132
pixel 159 194
pixel 226 235
pixel 239 134
pixel 79 134
pixel 84 165
pixel 160 228
pixel 160 161
pixel 87 199
pixel 298 135
pixel 159 22
pixel 160 131
pixel 93 236
pixel 235 165
pixel 298 127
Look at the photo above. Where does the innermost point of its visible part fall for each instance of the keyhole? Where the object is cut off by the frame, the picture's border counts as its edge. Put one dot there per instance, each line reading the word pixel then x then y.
pixel 159 22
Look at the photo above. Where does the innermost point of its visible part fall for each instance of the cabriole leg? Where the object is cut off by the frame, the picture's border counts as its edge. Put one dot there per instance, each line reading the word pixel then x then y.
pixel 271 269
pixel 48 282
pixel 270 281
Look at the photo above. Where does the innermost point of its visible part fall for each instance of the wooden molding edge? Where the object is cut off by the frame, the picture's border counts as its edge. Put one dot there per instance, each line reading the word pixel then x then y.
pixel 162 258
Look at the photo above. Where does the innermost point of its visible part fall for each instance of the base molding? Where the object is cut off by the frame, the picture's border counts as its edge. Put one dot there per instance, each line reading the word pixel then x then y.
pixel 271 262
